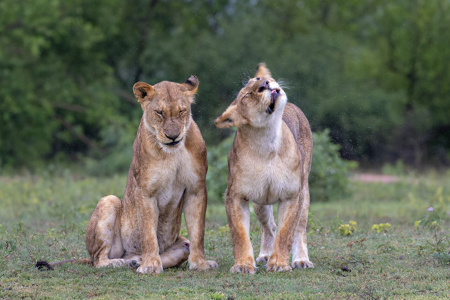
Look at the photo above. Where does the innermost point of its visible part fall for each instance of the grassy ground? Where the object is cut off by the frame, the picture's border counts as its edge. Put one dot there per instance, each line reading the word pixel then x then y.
pixel 401 263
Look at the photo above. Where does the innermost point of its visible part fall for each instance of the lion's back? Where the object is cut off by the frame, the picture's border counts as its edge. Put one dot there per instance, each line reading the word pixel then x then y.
pixel 298 124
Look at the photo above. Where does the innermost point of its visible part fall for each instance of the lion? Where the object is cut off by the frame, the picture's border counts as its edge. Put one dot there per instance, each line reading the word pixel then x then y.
pixel 167 177
pixel 269 162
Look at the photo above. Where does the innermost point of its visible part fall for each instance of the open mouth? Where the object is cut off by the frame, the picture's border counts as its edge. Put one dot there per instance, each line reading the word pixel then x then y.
pixel 273 98
pixel 172 143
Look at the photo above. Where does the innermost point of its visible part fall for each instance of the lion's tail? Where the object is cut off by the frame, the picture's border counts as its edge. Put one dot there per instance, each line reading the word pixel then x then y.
pixel 49 266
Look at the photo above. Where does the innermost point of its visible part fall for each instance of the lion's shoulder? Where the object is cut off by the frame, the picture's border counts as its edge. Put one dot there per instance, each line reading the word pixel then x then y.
pixel 298 124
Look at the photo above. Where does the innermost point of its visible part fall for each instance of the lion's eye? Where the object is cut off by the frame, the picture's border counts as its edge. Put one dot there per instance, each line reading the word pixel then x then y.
pixel 257 78
pixel 159 113
pixel 181 111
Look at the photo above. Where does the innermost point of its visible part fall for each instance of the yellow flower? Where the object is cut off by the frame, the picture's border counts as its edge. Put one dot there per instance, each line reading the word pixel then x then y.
pixel 347 229
pixel 381 227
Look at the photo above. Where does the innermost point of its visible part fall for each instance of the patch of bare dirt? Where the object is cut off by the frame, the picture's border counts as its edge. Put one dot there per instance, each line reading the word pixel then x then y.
pixel 375 178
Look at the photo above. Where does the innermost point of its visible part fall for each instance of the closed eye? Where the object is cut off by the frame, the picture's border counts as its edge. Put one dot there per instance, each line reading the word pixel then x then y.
pixel 159 113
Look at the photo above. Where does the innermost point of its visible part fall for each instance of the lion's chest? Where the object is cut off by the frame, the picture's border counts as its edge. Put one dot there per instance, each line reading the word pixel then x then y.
pixel 169 181
pixel 268 182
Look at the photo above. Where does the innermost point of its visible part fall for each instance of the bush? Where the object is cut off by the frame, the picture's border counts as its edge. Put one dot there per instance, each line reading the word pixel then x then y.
pixel 217 176
pixel 328 179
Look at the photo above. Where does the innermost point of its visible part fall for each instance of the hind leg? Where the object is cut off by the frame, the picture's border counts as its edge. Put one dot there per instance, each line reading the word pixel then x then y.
pixel 176 254
pixel 288 214
pixel 103 240
pixel 300 258
pixel 264 213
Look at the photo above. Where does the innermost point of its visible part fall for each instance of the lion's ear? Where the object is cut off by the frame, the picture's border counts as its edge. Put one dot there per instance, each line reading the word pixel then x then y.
pixel 263 71
pixel 230 118
pixel 143 90
pixel 190 86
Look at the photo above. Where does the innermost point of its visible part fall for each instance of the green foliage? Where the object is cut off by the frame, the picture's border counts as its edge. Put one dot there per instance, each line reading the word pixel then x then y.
pixel 430 221
pixel 118 136
pixel 328 178
pixel 217 176
pixel 397 169
pixel 217 296
pixel 437 205
pixel 329 173
pixel 347 229
pixel 54 82
pixel 373 72
pixel 444 258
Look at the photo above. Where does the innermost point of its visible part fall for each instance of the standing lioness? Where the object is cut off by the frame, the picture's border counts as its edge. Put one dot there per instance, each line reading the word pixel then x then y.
pixel 269 162
pixel 166 177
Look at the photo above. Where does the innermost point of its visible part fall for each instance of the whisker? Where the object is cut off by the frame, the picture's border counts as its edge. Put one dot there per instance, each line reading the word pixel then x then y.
pixel 283 84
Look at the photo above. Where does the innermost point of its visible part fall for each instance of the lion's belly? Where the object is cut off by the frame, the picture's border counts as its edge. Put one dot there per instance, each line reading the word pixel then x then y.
pixel 266 184
pixel 170 210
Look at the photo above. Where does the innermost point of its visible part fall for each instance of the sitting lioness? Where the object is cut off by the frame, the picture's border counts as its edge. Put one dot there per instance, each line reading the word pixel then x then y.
pixel 166 177
pixel 269 162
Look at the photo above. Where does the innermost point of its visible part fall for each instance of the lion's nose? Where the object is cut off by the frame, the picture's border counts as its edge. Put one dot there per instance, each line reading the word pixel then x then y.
pixel 264 85
pixel 172 136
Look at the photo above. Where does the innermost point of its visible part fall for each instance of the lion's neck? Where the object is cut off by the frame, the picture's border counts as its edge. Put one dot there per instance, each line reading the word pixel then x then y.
pixel 262 140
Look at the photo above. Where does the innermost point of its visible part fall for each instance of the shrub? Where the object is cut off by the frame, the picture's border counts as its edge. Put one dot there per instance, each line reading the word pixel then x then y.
pixel 119 136
pixel 216 179
pixel 328 179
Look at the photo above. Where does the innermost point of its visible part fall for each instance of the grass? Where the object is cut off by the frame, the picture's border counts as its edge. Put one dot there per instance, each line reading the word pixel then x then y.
pixel 44 218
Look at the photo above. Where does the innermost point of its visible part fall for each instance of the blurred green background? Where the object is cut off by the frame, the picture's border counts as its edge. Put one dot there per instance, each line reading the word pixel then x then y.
pixel 374 74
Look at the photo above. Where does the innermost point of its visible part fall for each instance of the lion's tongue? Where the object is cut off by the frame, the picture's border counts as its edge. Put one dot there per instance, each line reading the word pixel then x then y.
pixel 273 94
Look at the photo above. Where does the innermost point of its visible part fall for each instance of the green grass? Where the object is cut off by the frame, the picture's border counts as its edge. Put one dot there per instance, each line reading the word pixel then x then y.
pixel 54 209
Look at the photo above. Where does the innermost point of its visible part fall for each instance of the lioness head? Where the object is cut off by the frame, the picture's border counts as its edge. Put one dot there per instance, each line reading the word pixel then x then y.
pixel 167 109
pixel 257 104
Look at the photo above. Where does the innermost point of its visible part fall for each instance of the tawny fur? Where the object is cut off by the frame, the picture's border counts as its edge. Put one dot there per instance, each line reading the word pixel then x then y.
pixel 269 163
pixel 166 178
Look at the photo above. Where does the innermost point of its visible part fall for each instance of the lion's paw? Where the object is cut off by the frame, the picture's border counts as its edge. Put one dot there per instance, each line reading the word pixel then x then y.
pixel 116 262
pixel 262 259
pixel 302 264
pixel 135 263
pixel 275 264
pixel 152 267
pixel 243 268
pixel 149 270
pixel 203 265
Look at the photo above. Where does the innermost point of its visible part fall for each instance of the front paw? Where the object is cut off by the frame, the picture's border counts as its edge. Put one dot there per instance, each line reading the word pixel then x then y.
pixel 152 266
pixel 262 259
pixel 243 268
pixel 302 264
pixel 277 264
pixel 202 265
